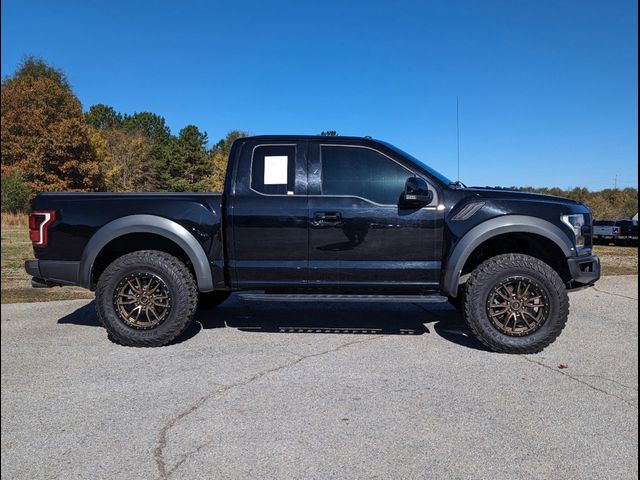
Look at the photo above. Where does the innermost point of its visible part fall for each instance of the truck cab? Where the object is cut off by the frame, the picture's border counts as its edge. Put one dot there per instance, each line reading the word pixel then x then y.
pixel 332 215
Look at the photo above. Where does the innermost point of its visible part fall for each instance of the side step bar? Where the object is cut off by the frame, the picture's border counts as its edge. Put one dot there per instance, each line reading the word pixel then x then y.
pixel 303 297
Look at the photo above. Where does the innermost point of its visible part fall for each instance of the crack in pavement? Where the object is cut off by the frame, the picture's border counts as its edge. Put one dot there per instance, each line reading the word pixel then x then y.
pixel 582 382
pixel 185 457
pixel 614 294
pixel 630 387
pixel 164 470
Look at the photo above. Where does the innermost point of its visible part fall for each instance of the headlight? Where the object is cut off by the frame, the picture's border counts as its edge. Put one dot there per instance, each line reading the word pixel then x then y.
pixel 576 222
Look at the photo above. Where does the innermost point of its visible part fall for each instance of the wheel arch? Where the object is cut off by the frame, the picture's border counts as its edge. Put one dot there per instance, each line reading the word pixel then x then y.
pixel 495 227
pixel 147 224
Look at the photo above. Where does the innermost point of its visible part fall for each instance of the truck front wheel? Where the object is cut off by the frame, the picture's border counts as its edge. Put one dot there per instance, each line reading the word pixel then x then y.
pixel 515 304
pixel 146 298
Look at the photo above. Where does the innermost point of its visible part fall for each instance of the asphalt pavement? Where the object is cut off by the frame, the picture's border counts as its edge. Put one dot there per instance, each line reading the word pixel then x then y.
pixel 291 391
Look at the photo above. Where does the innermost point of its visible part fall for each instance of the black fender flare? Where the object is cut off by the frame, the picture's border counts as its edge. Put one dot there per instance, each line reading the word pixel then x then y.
pixel 492 228
pixel 147 224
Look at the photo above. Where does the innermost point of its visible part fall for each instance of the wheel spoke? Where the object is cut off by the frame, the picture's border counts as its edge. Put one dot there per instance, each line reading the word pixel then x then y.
pixel 501 312
pixel 506 296
pixel 161 301
pixel 152 290
pixel 499 305
pixel 152 309
pixel 133 287
pixel 530 302
pixel 535 320
pixel 507 319
pixel 137 309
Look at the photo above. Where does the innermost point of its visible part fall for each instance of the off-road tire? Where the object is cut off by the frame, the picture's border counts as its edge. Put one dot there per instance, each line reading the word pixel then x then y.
pixel 210 300
pixel 181 288
pixel 489 274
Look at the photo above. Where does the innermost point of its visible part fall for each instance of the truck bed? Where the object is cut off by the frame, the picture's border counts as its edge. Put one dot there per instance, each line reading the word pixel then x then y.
pixel 84 221
pixel 80 215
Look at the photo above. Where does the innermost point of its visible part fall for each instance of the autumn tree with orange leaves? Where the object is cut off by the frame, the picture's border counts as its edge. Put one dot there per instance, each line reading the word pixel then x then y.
pixel 43 132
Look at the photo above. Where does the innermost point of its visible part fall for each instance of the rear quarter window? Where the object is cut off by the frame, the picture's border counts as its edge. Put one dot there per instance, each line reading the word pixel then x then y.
pixel 273 169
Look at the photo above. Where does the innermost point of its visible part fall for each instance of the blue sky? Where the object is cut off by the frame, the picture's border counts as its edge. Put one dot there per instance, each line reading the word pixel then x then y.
pixel 547 88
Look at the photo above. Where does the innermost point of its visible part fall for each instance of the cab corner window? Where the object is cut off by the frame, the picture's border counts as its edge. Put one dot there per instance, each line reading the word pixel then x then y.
pixel 273 169
pixel 362 172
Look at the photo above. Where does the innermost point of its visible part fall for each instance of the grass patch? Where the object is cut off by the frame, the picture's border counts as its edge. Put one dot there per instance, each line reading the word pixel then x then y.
pixel 16 248
pixel 18 220
pixel 617 260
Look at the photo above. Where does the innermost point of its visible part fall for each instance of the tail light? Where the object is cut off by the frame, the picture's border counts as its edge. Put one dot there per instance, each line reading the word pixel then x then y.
pixel 39 222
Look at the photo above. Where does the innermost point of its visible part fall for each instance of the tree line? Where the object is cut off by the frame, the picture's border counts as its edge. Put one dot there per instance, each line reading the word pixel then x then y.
pixel 49 143
pixel 607 204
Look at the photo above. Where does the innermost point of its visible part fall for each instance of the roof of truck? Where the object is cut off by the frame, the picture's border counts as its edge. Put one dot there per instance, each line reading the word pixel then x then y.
pixel 340 138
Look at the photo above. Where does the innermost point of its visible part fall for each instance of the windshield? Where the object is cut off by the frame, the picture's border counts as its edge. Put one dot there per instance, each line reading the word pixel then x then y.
pixel 420 163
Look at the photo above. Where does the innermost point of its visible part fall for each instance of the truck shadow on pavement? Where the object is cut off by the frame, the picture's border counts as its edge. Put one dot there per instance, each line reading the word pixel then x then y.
pixel 327 318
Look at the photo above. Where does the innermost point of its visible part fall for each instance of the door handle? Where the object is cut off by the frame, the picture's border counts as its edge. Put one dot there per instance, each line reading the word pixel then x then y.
pixel 326 218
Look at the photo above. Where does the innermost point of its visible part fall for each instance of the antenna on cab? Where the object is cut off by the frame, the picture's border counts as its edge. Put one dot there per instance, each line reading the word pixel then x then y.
pixel 458 133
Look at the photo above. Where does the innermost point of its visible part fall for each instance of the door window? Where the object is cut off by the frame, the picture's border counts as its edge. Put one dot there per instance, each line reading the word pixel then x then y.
pixel 362 172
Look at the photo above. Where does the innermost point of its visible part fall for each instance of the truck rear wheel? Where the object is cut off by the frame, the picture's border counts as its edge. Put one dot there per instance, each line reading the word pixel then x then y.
pixel 515 304
pixel 146 298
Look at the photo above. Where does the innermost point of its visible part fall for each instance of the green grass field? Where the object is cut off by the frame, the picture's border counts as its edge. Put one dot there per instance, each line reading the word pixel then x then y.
pixel 16 284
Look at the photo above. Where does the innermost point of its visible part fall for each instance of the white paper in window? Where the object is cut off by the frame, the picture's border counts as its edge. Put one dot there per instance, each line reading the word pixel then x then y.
pixel 275 169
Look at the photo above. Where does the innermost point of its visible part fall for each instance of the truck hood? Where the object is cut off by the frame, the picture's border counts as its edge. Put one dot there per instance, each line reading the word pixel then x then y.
pixel 503 193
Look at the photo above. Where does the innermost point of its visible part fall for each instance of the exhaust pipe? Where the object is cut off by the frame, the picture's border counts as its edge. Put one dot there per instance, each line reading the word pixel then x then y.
pixel 40 283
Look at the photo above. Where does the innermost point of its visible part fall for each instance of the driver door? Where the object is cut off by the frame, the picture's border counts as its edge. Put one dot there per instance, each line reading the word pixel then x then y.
pixel 360 236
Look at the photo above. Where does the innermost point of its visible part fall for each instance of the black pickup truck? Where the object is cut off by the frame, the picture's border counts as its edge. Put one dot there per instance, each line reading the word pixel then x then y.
pixel 307 218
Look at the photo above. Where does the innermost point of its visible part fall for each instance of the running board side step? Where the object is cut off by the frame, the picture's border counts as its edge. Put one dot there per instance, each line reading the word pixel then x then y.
pixel 303 297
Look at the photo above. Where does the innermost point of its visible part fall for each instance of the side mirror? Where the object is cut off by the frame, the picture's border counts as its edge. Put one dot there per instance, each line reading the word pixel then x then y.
pixel 416 192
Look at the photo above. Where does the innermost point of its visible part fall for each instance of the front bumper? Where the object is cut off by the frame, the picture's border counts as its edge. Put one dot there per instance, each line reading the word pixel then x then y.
pixel 584 270
pixel 52 273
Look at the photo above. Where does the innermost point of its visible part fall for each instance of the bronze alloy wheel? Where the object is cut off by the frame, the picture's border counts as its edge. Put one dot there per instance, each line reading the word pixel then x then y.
pixel 518 306
pixel 142 300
